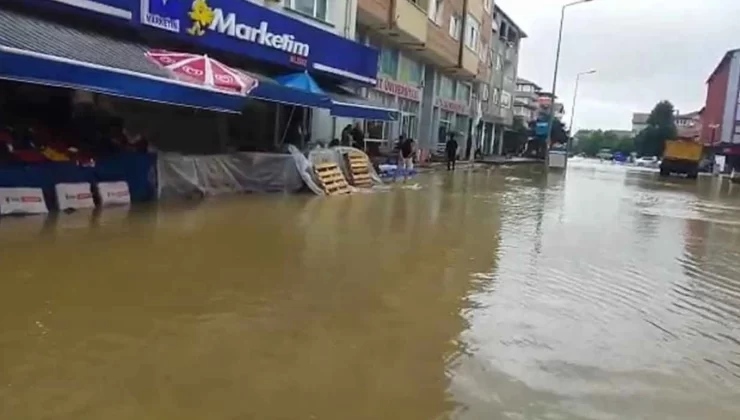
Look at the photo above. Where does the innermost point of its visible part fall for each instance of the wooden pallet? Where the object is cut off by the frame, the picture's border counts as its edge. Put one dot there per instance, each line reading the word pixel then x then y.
pixel 360 170
pixel 331 178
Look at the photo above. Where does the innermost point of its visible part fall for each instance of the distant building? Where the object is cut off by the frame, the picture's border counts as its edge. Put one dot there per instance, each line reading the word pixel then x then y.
pixel 687 125
pixel 526 104
pixel 639 122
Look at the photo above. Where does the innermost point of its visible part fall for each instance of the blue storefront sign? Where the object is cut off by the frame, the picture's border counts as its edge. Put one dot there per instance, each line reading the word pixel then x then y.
pixel 242 27
pixel 239 26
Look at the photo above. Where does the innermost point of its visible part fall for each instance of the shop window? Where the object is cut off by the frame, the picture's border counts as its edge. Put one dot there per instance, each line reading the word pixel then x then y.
pixel 463 92
pixel 436 8
pixel 389 62
pixel 411 71
pixel 472 33
pixel 446 87
pixel 445 126
pixel 409 118
pixel 461 126
pixel 455 26
pixel 379 130
pixel 315 8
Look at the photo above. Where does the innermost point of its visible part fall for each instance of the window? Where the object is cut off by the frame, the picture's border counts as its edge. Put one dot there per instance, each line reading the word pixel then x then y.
pixel 472 33
pixel 482 51
pixel 463 92
pixel 411 71
pixel 461 125
pixel 496 95
pixel 436 7
pixel 445 126
pixel 389 61
pixel 446 88
pixel 506 100
pixel 485 93
pixel 409 118
pixel 455 26
pixel 499 62
pixel 315 8
pixel 379 130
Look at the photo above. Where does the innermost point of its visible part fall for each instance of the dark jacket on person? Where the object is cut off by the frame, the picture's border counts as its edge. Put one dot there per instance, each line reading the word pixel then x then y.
pixel 358 138
pixel 407 148
pixel 451 147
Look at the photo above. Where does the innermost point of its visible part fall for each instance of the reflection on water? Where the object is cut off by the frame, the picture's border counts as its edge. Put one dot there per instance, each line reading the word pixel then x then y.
pixel 507 293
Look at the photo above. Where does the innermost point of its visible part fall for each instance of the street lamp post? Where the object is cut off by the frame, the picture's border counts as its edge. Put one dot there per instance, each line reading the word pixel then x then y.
pixel 555 75
pixel 575 96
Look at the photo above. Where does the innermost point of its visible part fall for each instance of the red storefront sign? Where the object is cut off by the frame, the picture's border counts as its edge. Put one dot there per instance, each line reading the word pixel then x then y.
pixel 452 106
pixel 400 89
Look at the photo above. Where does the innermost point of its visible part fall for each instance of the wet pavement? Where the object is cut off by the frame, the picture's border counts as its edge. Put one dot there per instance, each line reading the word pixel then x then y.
pixel 502 293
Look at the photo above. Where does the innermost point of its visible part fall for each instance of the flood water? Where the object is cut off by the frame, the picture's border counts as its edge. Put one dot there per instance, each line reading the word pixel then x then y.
pixel 603 293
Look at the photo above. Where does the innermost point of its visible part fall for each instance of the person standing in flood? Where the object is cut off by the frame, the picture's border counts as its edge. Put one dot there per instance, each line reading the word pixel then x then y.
pixel 358 136
pixel 346 136
pixel 406 157
pixel 451 151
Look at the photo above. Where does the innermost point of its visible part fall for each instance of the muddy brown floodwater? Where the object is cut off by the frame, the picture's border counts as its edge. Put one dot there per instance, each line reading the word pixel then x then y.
pixel 603 293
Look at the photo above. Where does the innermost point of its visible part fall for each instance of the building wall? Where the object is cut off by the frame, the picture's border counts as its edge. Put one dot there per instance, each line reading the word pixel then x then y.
pixel 714 104
pixel 729 114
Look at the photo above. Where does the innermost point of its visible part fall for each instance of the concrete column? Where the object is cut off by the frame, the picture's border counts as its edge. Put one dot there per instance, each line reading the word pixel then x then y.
pixel 500 136
pixel 427 131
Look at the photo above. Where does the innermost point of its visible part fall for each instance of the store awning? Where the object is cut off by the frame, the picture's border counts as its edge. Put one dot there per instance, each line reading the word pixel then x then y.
pixel 356 107
pixel 37 51
pixel 287 93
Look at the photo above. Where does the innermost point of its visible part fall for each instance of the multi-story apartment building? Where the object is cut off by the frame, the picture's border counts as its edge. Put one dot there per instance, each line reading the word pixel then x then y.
pixel 498 103
pixel 687 125
pixel 433 53
pixel 526 97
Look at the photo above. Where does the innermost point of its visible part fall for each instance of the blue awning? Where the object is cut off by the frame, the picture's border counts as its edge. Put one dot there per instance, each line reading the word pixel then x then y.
pixel 37 51
pixel 273 91
pixel 355 107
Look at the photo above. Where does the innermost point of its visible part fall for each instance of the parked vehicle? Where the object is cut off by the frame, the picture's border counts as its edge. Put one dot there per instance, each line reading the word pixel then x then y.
pixel 681 157
pixel 647 161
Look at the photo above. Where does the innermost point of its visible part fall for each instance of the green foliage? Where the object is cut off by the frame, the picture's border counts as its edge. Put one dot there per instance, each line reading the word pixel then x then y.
pixel 591 142
pixel 559 134
pixel 661 127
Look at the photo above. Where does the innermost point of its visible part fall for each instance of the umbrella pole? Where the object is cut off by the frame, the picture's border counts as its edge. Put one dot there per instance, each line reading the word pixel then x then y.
pixel 287 126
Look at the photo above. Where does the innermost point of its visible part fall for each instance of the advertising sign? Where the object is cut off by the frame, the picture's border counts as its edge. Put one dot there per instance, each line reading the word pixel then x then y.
pixel 22 201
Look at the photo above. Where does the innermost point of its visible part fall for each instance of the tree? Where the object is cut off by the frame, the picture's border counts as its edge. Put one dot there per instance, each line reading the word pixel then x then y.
pixel 591 142
pixel 661 127
pixel 559 134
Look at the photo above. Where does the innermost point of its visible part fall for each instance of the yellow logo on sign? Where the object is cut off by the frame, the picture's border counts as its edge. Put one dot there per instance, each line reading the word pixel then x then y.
pixel 202 16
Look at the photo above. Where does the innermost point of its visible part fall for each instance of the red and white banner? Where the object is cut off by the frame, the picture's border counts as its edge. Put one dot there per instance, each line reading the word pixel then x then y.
pixel 452 106
pixel 22 201
pixel 74 196
pixel 400 89
pixel 114 194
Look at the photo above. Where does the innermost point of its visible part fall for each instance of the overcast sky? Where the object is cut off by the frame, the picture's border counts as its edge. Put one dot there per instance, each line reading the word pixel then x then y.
pixel 643 51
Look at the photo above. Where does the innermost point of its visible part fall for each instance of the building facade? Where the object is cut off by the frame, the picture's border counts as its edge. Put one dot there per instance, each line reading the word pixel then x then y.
pixel 526 105
pixel 687 125
pixel 498 105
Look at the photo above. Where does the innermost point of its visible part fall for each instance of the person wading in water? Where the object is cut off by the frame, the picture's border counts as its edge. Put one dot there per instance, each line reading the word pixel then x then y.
pixel 451 151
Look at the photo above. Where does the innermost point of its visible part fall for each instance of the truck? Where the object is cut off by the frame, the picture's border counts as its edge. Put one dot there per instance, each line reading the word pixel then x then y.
pixel 681 156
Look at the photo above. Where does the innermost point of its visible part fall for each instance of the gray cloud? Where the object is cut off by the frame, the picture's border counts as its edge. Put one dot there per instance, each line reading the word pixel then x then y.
pixel 643 50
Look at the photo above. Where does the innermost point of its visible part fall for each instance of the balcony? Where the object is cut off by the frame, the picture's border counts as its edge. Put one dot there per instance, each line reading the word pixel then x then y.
pixel 404 21
pixel 410 22
pixel 469 65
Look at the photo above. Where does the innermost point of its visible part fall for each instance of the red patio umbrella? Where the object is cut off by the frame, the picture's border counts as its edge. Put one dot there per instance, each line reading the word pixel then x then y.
pixel 204 70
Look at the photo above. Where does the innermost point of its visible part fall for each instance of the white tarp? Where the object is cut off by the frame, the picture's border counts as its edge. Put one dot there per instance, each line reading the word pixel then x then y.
pixel 208 175
pixel 22 201
pixel 74 196
pixel 113 194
